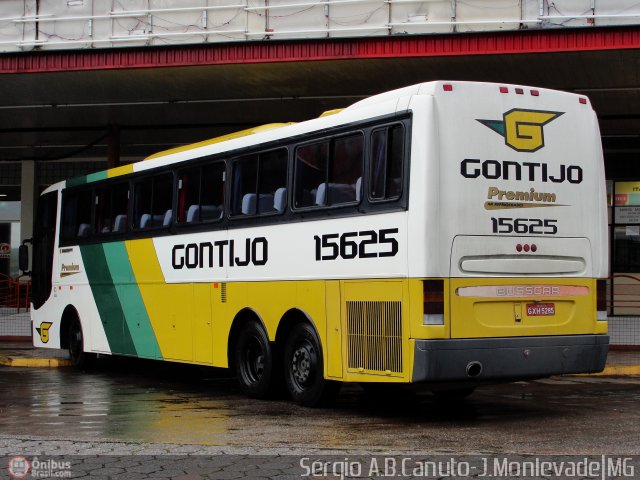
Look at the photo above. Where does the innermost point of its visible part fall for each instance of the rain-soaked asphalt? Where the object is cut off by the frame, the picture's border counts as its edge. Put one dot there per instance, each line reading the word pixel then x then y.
pixel 161 403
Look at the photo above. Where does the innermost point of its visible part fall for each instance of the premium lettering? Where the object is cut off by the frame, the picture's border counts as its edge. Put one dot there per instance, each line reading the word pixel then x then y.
pixel 495 193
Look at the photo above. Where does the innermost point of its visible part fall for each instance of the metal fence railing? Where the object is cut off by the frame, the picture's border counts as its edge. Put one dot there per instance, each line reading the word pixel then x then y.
pixel 50 24
pixel 14 307
pixel 623 309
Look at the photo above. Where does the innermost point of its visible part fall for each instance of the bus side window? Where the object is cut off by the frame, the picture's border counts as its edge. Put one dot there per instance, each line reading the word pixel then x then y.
pixel 188 194
pixel 310 171
pixel 111 209
pixel 329 172
pixel 257 180
pixel 152 201
pixel 76 215
pixel 272 177
pixel 212 192
pixel 201 193
pixel 387 146
pixel 345 172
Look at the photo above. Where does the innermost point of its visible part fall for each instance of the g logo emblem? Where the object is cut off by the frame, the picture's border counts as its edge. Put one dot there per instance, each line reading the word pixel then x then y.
pixel 522 129
pixel 43 330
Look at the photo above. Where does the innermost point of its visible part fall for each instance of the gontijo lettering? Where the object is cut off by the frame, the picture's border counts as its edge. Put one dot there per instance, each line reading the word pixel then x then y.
pixel 209 255
pixel 533 171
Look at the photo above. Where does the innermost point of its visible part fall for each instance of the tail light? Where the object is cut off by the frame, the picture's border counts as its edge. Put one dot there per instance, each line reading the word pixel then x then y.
pixel 433 301
pixel 601 299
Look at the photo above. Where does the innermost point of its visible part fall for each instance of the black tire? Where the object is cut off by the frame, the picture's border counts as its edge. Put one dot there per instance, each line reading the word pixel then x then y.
pixel 79 358
pixel 453 395
pixel 304 370
pixel 253 361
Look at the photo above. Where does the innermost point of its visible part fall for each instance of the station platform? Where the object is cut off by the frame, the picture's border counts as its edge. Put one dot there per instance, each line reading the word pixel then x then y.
pixel 21 353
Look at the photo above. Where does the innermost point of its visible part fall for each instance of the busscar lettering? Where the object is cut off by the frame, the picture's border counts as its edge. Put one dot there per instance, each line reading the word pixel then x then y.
pixel 527 290
pixel 529 171
pixel 251 251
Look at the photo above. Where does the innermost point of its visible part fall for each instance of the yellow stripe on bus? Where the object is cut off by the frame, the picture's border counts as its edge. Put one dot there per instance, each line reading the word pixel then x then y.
pixel 119 171
pixel 180 314
pixel 223 138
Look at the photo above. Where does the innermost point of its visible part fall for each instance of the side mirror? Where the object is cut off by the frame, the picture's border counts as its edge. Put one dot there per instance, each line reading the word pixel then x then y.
pixel 23 259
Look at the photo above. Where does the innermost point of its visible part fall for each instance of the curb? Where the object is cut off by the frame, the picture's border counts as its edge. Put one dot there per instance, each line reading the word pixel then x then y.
pixel 34 362
pixel 610 371
pixel 617 370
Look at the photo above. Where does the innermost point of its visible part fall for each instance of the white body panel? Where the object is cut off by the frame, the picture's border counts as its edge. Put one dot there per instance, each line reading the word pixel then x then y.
pixel 290 252
pixel 447 131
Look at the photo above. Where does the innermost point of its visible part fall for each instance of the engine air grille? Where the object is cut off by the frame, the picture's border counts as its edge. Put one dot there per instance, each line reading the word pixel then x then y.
pixel 374 333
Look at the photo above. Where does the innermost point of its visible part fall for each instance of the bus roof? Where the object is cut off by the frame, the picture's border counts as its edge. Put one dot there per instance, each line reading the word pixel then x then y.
pixel 211 141
pixel 425 88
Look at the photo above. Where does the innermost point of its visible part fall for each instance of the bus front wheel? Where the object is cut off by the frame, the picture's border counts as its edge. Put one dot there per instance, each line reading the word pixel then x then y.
pixel 304 371
pixel 254 361
pixel 79 358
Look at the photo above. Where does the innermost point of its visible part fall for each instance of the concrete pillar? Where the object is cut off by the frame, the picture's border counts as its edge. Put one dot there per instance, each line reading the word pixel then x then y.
pixel 27 199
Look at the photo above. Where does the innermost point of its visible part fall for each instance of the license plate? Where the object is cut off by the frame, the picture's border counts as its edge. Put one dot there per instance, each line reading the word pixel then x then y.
pixel 541 309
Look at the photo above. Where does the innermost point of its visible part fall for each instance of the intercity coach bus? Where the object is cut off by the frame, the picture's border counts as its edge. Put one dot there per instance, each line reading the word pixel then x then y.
pixel 446 233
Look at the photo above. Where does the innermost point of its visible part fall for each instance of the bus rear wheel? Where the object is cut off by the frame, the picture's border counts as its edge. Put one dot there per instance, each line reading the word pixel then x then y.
pixel 254 361
pixel 304 371
pixel 79 358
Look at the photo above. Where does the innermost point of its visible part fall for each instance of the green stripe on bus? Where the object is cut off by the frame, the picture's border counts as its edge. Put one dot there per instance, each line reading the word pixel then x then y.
pixel 94 177
pixel 135 313
pixel 74 182
pixel 107 300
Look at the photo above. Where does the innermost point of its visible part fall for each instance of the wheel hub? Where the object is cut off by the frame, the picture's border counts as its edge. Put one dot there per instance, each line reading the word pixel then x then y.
pixel 255 360
pixel 75 345
pixel 301 365
pixel 258 365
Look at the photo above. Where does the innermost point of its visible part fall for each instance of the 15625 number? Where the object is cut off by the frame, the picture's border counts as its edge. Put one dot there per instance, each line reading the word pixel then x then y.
pixel 365 244
pixel 532 226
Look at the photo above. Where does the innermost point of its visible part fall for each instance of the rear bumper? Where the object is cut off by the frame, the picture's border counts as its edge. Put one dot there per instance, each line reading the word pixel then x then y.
pixel 481 359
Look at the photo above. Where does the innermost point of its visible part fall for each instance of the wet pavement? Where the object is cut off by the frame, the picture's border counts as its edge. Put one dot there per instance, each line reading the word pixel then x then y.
pixel 141 404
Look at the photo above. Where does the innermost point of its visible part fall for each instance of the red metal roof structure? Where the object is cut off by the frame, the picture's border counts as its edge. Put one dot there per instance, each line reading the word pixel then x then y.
pixel 269 51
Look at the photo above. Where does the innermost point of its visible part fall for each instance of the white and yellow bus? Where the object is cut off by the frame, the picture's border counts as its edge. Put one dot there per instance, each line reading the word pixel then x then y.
pixel 447 233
